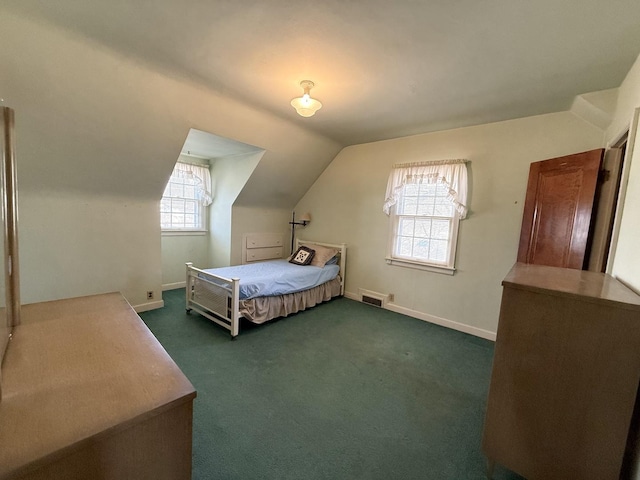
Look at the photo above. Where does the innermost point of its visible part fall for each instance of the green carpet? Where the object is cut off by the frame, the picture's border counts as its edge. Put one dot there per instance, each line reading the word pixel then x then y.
pixel 341 391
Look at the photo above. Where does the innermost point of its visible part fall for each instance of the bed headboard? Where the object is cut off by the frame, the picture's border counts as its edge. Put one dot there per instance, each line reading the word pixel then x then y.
pixel 342 252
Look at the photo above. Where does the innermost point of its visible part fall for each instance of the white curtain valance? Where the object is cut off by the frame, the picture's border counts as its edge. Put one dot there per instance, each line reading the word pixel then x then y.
pixel 202 179
pixel 453 173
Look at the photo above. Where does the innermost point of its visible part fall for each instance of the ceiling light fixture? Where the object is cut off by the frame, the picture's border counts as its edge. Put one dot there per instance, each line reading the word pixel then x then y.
pixel 305 105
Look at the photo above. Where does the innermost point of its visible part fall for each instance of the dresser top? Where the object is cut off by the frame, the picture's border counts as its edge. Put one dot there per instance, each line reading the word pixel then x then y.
pixel 597 287
pixel 76 370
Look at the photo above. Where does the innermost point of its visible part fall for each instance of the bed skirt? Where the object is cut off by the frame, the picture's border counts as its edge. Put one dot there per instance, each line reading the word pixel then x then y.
pixel 261 309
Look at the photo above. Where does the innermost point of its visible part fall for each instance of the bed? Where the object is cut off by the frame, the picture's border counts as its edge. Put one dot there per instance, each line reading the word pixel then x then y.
pixel 262 291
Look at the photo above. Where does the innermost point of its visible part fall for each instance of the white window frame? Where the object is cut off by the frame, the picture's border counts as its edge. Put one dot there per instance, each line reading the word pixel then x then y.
pixel 199 198
pixel 449 173
pixel 395 258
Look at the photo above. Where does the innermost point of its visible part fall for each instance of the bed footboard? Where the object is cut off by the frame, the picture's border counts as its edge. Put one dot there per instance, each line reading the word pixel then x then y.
pixel 214 297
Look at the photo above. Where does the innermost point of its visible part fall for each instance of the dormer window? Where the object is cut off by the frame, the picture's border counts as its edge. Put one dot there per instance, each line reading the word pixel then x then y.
pixel 184 203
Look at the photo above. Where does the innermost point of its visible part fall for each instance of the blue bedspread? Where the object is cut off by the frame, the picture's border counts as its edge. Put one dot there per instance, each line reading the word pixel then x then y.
pixel 276 277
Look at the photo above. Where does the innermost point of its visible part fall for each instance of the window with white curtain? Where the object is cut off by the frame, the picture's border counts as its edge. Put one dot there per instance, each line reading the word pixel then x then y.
pixel 425 202
pixel 183 207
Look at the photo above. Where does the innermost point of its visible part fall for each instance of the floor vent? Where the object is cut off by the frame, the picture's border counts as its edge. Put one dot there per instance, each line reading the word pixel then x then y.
pixel 373 298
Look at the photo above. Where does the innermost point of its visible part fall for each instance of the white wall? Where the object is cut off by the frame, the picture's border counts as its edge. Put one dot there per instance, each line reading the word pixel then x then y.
pixel 80 244
pixel 178 250
pixel 625 265
pixel 346 204
pixel 229 177
pixel 628 100
pixel 97 137
pixel 257 220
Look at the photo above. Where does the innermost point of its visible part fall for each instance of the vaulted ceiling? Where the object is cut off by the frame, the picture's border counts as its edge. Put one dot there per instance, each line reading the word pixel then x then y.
pixel 382 68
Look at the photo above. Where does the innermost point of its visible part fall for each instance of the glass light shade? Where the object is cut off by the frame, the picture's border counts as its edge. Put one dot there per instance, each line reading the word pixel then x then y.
pixel 305 105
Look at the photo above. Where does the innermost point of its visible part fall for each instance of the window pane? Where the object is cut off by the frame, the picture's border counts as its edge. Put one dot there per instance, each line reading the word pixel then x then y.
pixel 443 199
pixel 440 229
pixel 442 189
pixel 425 208
pixel 176 190
pixel 165 205
pixel 177 220
pixel 408 206
pixel 177 205
pixel 404 246
pixel 421 248
pixel 190 206
pixel 411 190
pixel 428 199
pixel 406 226
pixel 428 189
pixel 443 211
pixel 438 250
pixel 189 191
pixel 422 228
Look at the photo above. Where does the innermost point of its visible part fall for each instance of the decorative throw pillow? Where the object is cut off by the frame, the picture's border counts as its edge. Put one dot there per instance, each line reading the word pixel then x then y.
pixel 303 256
pixel 323 254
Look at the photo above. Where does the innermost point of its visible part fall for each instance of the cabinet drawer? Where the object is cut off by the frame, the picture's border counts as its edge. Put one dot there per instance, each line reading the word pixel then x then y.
pixel 257 254
pixel 263 240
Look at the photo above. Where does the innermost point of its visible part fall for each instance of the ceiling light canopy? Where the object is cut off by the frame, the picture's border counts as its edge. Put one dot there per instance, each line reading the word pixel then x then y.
pixel 305 105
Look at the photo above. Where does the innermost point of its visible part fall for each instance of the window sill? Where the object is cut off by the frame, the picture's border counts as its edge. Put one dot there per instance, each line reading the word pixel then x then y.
pixel 421 266
pixel 183 233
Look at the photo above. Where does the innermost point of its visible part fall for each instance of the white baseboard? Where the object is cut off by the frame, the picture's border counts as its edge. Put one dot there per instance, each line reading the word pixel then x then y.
pixel 352 296
pixel 443 322
pixel 173 286
pixel 148 306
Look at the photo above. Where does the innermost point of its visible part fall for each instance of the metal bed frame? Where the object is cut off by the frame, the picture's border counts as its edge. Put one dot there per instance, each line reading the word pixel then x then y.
pixel 217 298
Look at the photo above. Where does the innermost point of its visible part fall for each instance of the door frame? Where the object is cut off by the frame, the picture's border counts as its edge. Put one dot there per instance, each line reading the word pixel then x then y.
pixel 630 135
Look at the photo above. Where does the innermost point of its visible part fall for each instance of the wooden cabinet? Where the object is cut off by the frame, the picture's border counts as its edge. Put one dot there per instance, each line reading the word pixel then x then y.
pixel 565 374
pixel 89 393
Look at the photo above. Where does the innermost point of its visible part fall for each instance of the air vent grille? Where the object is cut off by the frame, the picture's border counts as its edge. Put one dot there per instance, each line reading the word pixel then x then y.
pixel 376 299
pixel 377 302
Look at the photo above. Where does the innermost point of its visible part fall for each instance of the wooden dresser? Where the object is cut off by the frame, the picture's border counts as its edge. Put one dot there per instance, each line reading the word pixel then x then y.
pixel 88 393
pixel 565 374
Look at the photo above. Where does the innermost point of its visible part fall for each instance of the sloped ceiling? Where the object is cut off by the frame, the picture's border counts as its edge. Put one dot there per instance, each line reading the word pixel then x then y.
pixel 382 68
pixel 91 122
pixel 209 146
